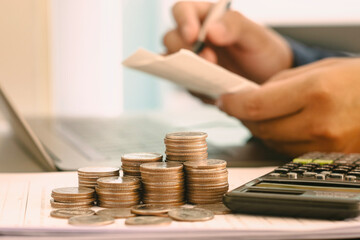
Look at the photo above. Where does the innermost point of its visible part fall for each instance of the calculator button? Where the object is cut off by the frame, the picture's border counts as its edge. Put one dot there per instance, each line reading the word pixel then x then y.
pixel 340 170
pixel 299 171
pixel 337 175
pixel 323 161
pixel 357 174
pixel 320 176
pixel 302 160
pixel 321 169
pixel 281 170
pixel 309 174
pixel 275 175
pixel 326 173
pixel 292 175
pixel 350 178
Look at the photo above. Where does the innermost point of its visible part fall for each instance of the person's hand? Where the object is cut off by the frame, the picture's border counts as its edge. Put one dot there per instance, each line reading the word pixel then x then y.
pixel 311 108
pixel 233 42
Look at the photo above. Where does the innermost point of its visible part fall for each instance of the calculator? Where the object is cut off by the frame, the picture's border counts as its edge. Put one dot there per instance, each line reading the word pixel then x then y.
pixel 314 185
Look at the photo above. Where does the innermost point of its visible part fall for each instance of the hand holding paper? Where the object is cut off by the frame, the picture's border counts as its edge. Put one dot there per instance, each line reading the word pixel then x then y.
pixel 190 71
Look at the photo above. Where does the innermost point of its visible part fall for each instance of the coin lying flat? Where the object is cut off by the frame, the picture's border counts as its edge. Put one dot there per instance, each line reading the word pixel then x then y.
pixel 98 170
pixel 206 164
pixel 142 156
pixel 186 135
pixel 150 209
pixel 71 212
pixel 93 220
pixel 73 191
pixel 191 214
pixel 148 220
pixel 116 212
pixel 216 208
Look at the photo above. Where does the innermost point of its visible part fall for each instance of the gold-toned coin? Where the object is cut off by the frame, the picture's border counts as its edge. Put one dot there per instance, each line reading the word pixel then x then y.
pixel 74 200
pixel 206 164
pixel 116 212
pixel 187 157
pixel 148 220
pixel 117 205
pixel 72 191
pixel 161 167
pixel 70 212
pixel 93 220
pixel 118 181
pixel 55 204
pixel 98 170
pixel 186 135
pixel 150 209
pixel 142 156
pixel 191 214
pixel 186 146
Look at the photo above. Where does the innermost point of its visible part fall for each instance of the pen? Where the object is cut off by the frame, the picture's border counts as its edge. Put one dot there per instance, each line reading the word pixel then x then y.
pixel 215 13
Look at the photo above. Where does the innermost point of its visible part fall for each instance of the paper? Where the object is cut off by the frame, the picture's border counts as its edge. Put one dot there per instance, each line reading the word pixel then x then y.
pixel 25 209
pixel 190 71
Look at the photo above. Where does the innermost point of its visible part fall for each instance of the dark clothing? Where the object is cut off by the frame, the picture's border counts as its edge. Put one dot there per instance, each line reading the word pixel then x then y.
pixel 305 54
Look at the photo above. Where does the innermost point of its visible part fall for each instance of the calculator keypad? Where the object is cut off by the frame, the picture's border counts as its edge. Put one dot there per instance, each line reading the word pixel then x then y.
pixel 321 166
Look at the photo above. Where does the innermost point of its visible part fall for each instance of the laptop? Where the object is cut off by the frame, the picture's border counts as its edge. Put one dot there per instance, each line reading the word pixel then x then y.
pixel 69 143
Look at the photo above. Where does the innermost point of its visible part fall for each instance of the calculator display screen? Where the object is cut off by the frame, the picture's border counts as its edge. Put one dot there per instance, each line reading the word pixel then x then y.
pixel 307 187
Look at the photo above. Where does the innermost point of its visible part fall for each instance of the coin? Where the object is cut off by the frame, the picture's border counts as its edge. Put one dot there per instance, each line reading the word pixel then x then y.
pixel 186 135
pixel 115 181
pixel 142 156
pixel 216 208
pixel 150 209
pixel 161 166
pixel 73 191
pixel 206 164
pixel 191 214
pixel 70 212
pixel 148 220
pixel 116 212
pixel 93 220
pixel 55 204
pixel 98 170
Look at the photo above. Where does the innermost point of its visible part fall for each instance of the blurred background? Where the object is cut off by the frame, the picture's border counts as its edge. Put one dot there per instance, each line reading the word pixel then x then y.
pixel 63 57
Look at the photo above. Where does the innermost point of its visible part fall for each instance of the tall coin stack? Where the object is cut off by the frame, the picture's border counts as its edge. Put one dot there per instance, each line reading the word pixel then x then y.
pixel 206 181
pixel 72 197
pixel 186 146
pixel 118 192
pixel 131 162
pixel 89 175
pixel 163 183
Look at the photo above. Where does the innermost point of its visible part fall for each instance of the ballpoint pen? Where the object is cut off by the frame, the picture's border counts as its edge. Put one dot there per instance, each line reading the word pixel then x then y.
pixel 216 12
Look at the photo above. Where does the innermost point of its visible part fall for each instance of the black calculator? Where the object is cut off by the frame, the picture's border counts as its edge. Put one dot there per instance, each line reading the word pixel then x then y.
pixel 314 185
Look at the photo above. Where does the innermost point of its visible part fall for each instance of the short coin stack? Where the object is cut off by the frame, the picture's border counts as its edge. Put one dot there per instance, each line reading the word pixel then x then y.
pixel 131 162
pixel 163 183
pixel 118 192
pixel 89 175
pixel 206 181
pixel 186 146
pixel 72 197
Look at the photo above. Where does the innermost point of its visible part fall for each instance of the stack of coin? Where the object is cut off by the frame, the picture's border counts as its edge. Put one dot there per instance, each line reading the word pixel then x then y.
pixel 206 181
pixel 72 197
pixel 118 192
pixel 89 175
pixel 131 162
pixel 163 183
pixel 186 146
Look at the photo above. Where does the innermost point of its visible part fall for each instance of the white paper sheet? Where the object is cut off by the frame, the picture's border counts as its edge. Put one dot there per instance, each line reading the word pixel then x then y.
pixel 190 71
pixel 25 209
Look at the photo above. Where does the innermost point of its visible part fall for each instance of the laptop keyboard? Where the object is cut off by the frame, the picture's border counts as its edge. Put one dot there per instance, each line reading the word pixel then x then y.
pixel 108 139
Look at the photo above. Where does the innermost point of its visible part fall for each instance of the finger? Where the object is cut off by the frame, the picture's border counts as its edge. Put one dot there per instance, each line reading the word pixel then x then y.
pixel 234 27
pixel 188 16
pixel 282 129
pixel 303 69
pixel 268 101
pixel 208 54
pixel 174 42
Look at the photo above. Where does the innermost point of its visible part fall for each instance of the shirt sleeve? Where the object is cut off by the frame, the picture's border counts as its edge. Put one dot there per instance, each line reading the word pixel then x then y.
pixel 304 54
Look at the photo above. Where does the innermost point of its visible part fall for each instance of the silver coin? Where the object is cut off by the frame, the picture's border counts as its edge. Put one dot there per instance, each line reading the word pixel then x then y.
pixel 70 212
pixel 93 220
pixel 148 220
pixel 206 164
pixel 191 214
pixel 116 212
pixel 161 166
pixel 150 209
